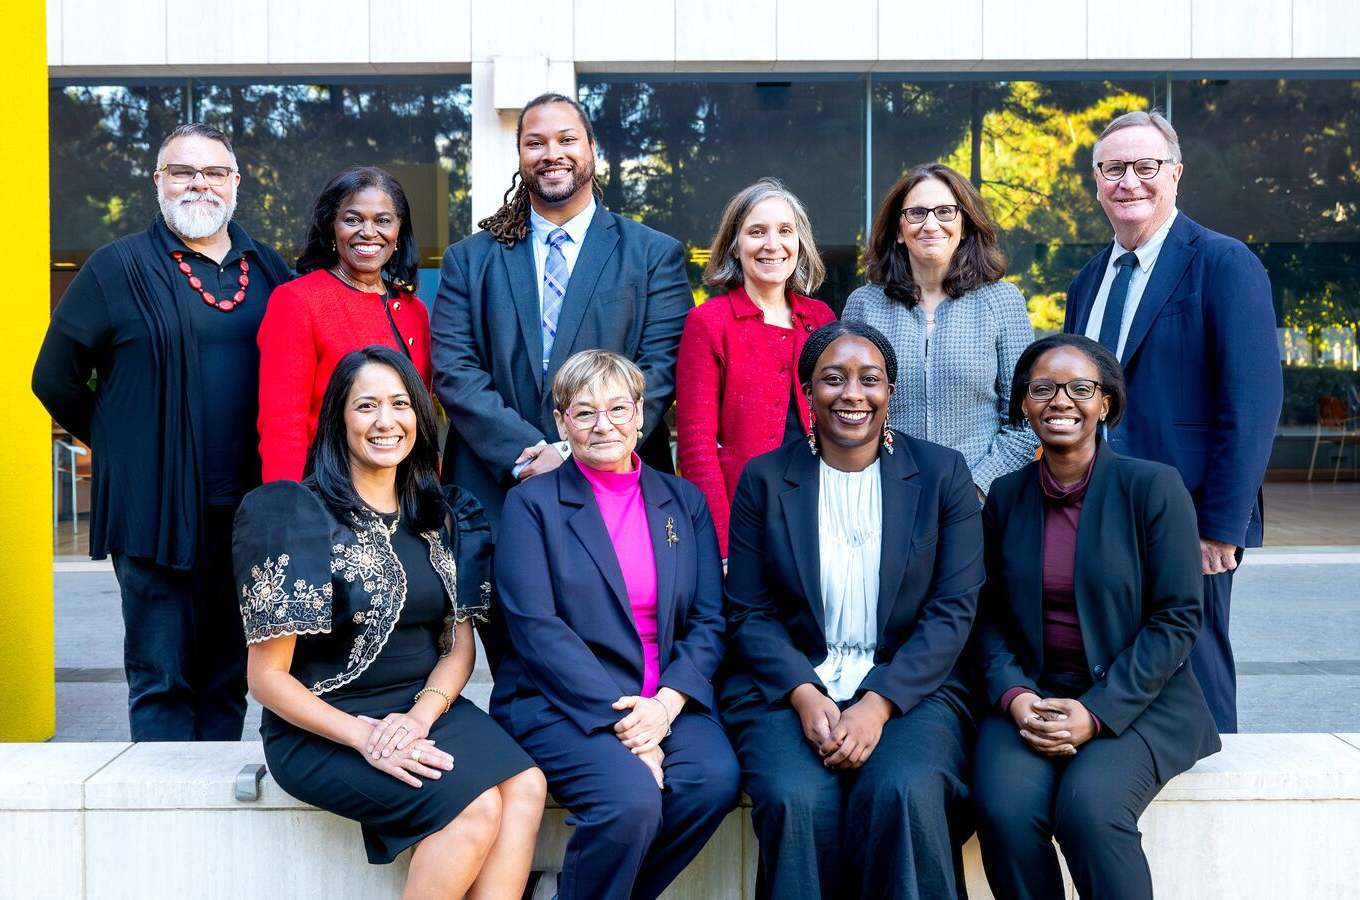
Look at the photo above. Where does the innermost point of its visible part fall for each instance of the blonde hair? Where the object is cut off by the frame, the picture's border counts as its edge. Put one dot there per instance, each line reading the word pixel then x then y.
pixel 588 368
pixel 724 264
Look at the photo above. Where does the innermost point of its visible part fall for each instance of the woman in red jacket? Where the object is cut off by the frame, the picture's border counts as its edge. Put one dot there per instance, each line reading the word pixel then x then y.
pixel 736 379
pixel 358 271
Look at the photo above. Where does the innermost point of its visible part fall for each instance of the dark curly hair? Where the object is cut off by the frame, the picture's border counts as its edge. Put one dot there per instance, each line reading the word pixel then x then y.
pixel 510 224
pixel 319 251
pixel 1111 373
pixel 977 261
pixel 823 337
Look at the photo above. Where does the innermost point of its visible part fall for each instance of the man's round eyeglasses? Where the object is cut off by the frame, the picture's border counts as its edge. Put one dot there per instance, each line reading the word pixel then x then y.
pixel 1043 390
pixel 1145 168
pixel 584 418
pixel 917 214
pixel 214 175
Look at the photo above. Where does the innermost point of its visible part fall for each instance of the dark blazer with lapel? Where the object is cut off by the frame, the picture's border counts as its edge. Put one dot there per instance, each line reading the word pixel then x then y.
pixel 570 644
pixel 628 293
pixel 1139 601
pixel 1203 369
pixel 928 582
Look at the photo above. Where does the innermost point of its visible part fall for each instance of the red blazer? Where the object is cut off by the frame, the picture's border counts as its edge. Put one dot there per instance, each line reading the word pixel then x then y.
pixel 309 324
pixel 733 382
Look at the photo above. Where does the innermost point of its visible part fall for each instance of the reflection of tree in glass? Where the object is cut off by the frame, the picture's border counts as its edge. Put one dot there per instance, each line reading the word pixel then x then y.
pixel 289 138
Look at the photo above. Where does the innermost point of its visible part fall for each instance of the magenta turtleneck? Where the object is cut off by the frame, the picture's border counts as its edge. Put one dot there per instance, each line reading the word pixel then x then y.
pixel 619 496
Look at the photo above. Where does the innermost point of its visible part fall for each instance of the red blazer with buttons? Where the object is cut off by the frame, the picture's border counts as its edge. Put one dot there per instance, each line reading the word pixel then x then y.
pixel 732 390
pixel 309 324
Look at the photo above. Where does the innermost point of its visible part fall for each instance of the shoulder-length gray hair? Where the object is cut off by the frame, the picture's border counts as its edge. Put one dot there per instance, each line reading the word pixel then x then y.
pixel 724 261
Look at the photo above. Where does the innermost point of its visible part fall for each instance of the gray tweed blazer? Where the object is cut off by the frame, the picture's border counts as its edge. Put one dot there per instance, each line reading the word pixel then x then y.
pixel 956 392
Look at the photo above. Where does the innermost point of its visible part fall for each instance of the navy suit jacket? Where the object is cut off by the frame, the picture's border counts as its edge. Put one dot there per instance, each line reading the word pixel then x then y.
pixel 628 293
pixel 1203 369
pixel 930 572
pixel 563 641
pixel 1139 601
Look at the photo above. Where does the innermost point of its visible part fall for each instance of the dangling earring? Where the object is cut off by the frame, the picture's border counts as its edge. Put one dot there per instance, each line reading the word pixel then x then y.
pixel 333 249
pixel 887 439
pixel 812 436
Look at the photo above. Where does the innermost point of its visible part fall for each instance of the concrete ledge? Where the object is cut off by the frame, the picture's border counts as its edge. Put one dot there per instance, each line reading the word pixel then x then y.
pixel 1271 816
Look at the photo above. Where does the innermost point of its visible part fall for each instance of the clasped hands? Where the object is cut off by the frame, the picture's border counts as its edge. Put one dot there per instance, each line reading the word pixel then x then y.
pixel 399 745
pixel 1052 727
pixel 645 726
pixel 844 740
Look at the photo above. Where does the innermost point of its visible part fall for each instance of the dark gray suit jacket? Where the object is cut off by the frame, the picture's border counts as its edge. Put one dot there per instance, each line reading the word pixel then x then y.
pixel 628 293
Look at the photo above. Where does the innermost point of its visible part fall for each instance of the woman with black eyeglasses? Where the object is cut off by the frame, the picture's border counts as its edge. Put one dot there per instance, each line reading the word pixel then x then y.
pixel 935 290
pixel 1091 605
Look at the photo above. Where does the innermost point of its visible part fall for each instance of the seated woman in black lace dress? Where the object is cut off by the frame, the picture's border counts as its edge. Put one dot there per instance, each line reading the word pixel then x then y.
pixel 358 590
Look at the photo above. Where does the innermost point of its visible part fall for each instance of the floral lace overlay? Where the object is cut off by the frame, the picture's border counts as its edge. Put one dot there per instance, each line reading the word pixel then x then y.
pixel 271 608
pixel 369 563
pixel 447 570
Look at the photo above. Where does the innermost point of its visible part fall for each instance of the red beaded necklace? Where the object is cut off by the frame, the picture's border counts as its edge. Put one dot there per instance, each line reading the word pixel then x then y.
pixel 225 305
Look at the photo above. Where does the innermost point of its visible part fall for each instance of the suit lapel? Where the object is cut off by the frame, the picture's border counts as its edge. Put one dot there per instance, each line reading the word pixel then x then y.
pixel 1089 291
pixel 521 271
pixel 661 515
pixel 901 496
pixel 588 526
pixel 1089 598
pixel 799 506
pixel 1172 261
pixel 601 238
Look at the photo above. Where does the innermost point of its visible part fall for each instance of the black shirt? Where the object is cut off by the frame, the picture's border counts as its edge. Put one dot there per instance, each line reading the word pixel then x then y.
pixel 229 364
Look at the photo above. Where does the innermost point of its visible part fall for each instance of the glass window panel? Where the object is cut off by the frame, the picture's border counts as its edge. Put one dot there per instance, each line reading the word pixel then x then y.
pixel 1276 164
pixel 673 151
pixel 1028 145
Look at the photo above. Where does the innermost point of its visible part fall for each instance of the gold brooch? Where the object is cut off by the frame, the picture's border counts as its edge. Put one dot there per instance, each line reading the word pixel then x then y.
pixel 671 537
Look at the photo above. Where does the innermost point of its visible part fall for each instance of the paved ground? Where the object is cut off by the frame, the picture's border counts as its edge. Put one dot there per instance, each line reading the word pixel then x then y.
pixel 1296 628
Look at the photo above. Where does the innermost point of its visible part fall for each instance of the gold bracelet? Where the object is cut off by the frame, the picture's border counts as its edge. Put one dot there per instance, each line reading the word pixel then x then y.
pixel 429 690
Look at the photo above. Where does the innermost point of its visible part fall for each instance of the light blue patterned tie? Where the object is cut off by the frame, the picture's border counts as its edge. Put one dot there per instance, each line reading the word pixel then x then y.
pixel 555 279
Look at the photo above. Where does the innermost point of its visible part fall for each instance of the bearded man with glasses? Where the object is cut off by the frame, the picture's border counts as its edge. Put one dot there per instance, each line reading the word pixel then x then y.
pixel 1189 313
pixel 165 322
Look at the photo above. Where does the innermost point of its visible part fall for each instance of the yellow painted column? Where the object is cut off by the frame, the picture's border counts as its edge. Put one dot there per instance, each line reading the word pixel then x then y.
pixel 27 679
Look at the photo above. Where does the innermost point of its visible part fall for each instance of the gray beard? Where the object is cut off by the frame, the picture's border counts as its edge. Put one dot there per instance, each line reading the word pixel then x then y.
pixel 196 221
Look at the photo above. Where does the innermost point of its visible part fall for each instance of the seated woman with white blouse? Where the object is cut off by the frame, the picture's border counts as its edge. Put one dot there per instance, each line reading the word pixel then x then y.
pixel 854 566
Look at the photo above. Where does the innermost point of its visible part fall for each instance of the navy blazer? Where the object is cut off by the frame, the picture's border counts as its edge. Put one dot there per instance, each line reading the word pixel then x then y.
pixel 571 647
pixel 1139 596
pixel 628 293
pixel 929 576
pixel 1203 369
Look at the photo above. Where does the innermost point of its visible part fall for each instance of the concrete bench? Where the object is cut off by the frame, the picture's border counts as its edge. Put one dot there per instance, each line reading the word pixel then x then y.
pixel 1272 816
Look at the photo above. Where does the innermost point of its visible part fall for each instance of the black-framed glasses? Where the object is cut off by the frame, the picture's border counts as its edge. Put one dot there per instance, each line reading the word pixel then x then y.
pixel 917 214
pixel 1079 389
pixel 214 175
pixel 1145 168
pixel 584 418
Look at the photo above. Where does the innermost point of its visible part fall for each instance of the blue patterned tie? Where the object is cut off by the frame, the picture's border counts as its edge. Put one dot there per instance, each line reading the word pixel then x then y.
pixel 555 279
pixel 1112 323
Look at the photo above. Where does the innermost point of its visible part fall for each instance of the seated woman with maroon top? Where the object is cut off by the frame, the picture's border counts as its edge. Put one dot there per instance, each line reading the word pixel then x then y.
pixel 358 273
pixel 1091 605
pixel 737 393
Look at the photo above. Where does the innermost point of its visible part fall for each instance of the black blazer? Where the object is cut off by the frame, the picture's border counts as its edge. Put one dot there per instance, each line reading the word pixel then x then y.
pixel 563 640
pixel 928 584
pixel 628 293
pixel 1139 601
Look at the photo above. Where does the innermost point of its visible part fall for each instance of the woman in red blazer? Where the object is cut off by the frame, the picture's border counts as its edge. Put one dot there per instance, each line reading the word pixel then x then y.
pixel 358 272
pixel 737 393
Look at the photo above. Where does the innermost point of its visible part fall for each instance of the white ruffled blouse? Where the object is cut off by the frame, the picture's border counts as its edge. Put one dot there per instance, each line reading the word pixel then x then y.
pixel 850 529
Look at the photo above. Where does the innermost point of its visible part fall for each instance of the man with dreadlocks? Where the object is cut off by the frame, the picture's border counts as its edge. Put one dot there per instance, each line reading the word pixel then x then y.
pixel 552 272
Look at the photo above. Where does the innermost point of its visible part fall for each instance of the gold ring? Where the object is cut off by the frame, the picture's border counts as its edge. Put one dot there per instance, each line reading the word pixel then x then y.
pixel 415 754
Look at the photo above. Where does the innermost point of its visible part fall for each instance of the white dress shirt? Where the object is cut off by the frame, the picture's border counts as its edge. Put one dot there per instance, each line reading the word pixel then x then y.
pixel 1147 258
pixel 540 228
pixel 850 534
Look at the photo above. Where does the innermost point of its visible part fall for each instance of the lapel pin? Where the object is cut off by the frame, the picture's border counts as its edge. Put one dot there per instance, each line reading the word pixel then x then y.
pixel 671 537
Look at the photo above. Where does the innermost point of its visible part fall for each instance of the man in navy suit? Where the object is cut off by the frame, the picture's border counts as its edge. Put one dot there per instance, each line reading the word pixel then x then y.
pixel 553 272
pixel 1189 313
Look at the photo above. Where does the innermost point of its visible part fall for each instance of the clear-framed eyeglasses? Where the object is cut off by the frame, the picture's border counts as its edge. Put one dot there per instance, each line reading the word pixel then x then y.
pixel 584 418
